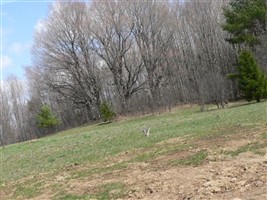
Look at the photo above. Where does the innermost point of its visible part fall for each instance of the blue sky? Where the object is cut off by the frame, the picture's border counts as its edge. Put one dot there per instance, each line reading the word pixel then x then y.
pixel 19 20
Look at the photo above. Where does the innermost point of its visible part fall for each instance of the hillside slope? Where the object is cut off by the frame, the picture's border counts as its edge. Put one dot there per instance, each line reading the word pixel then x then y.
pixel 218 154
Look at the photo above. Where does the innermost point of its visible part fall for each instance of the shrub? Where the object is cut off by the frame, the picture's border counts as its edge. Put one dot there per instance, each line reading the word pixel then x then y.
pixel 106 112
pixel 46 118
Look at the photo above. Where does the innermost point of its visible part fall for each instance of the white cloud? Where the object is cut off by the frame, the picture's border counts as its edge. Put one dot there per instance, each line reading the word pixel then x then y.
pixel 19 48
pixel 40 26
pixel 6 61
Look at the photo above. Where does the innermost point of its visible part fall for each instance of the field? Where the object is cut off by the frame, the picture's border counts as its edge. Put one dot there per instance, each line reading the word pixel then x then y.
pixel 217 154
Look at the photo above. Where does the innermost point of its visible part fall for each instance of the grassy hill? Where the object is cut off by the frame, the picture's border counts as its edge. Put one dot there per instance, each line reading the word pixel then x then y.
pixel 45 168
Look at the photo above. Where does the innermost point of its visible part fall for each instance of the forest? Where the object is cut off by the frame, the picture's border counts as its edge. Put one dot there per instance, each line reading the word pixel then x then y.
pixel 135 58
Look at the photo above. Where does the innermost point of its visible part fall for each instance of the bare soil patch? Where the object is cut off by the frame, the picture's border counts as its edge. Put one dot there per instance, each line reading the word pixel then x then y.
pixel 243 177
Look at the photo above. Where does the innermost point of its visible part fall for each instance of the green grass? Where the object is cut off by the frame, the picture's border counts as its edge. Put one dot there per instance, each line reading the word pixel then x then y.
pixel 28 191
pixel 264 135
pixel 255 147
pixel 109 191
pixel 98 170
pixel 194 160
pixel 94 143
pixel 159 151
pixel 104 192
pixel 91 145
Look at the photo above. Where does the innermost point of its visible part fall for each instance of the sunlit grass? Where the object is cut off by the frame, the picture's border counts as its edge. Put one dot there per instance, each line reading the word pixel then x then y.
pixel 255 147
pixel 194 160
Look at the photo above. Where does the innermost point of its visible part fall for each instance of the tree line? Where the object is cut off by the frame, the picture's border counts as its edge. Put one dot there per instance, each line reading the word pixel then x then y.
pixel 135 57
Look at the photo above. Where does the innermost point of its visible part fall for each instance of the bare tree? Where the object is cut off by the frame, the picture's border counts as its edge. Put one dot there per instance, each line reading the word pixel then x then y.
pixel 63 53
pixel 17 99
pixel 114 43
pixel 205 58
pixel 7 130
pixel 13 108
pixel 154 37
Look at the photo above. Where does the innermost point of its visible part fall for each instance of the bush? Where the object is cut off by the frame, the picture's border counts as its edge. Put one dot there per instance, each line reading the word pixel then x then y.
pixel 265 87
pixel 46 118
pixel 106 112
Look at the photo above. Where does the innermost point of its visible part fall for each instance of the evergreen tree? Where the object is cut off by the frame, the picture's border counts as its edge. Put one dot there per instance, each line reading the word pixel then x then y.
pixel 265 87
pixel 251 80
pixel 46 118
pixel 106 112
pixel 245 21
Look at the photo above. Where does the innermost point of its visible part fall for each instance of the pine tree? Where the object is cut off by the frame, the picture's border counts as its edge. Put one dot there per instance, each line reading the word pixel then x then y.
pixel 46 118
pixel 251 80
pixel 106 112
pixel 265 87
pixel 245 20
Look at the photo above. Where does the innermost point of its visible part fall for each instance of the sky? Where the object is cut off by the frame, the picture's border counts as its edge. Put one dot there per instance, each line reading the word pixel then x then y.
pixel 19 20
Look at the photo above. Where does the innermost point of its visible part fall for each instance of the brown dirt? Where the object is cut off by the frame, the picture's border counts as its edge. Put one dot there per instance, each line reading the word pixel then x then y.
pixel 242 177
